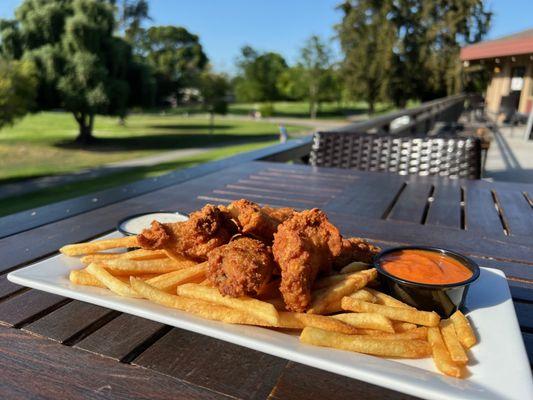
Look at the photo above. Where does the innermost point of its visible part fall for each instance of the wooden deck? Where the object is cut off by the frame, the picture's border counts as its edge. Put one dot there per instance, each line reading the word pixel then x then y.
pixel 53 347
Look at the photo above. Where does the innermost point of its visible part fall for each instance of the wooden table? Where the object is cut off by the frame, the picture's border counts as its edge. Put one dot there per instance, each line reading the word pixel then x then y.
pixel 53 347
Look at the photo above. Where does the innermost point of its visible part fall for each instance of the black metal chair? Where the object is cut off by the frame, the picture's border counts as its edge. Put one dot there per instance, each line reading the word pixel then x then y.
pixel 455 157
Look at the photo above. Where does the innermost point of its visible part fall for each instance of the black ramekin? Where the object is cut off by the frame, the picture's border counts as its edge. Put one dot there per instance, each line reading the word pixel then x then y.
pixel 444 299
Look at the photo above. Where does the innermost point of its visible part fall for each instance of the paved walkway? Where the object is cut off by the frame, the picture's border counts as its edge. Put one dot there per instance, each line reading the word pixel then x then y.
pixel 510 157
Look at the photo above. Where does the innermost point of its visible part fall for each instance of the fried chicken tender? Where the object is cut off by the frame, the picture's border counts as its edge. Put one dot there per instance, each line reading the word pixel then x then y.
pixel 304 245
pixel 242 267
pixel 257 221
pixel 205 230
pixel 355 249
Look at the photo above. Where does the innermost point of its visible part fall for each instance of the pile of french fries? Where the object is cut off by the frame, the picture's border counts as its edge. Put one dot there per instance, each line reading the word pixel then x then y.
pixel 346 312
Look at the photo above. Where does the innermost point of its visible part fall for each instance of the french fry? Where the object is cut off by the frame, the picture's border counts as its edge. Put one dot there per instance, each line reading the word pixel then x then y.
pixel 361 294
pixel 420 333
pixel 334 279
pixel 82 277
pixel 333 293
pixel 198 307
pixel 402 326
pixel 133 267
pixel 355 266
pixel 364 344
pixel 441 357
pixel 367 321
pixel 112 283
pixel 386 300
pixel 139 254
pixel 456 350
pixel 79 249
pixel 292 320
pixel 171 280
pixel 175 255
pixel 399 314
pixel 257 308
pixel 464 331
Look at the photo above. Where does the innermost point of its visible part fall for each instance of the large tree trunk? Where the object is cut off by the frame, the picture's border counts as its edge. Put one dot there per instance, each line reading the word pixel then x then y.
pixel 85 123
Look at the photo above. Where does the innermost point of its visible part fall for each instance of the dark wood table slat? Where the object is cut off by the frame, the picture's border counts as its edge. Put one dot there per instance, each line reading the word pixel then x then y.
pixel 214 364
pixel 528 342
pixel 37 368
pixel 28 306
pixel 516 211
pixel 412 203
pixel 120 337
pixel 208 368
pixel 70 320
pixel 445 209
pixel 7 288
pixel 302 382
pixel 481 215
pixel 371 199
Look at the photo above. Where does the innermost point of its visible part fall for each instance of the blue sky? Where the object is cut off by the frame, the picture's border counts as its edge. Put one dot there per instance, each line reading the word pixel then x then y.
pixel 224 26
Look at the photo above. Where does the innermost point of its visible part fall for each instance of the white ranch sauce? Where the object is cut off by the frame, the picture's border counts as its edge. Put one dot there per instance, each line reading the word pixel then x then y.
pixel 136 225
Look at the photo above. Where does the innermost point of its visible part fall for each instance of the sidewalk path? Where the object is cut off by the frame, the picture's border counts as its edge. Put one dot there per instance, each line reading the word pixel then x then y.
pixel 46 182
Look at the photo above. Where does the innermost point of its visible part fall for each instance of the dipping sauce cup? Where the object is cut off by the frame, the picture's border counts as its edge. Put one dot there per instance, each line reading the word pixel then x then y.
pixel 428 278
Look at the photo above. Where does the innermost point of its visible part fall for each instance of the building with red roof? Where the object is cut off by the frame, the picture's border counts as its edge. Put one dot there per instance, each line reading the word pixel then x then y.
pixel 510 62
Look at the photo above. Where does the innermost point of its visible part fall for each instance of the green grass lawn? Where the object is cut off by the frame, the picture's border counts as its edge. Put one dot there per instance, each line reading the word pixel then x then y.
pixel 300 109
pixel 42 144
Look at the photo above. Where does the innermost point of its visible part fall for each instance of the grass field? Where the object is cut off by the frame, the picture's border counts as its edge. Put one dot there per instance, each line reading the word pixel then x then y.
pixel 42 144
pixel 300 109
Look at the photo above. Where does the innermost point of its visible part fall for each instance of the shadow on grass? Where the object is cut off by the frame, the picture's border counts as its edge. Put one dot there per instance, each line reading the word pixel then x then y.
pixel 166 142
pixel 177 127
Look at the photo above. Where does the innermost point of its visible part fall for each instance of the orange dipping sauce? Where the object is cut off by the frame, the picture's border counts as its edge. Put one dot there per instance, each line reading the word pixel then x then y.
pixel 423 266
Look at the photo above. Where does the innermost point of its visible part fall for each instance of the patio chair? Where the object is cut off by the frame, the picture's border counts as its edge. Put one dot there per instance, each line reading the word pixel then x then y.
pixel 456 157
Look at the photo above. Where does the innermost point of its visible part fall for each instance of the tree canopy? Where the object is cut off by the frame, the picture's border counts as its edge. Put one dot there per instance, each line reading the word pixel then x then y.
pixel 259 74
pixel 18 83
pixel 407 49
pixel 81 66
pixel 175 54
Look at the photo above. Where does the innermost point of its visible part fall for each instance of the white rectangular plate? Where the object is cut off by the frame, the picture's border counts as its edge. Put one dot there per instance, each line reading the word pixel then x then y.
pixel 499 367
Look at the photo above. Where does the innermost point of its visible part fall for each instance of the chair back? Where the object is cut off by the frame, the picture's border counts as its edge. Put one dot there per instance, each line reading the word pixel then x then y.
pixel 455 157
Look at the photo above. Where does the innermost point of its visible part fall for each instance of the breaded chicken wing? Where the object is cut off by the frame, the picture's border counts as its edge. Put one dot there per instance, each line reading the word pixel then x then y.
pixel 205 230
pixel 257 221
pixel 355 249
pixel 242 267
pixel 304 245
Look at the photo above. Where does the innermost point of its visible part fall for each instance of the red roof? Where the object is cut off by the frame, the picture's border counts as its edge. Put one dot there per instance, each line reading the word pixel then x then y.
pixel 512 45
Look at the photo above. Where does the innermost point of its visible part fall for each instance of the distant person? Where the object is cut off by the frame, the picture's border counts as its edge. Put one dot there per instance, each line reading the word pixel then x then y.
pixel 283 136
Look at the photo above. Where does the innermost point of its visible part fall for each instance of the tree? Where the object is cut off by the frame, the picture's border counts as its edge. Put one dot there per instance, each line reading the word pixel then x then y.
pixel 292 83
pixel 367 39
pixel 315 58
pixel 408 49
pixel 81 66
pixel 18 83
pixel 258 75
pixel 176 55
pixel 214 89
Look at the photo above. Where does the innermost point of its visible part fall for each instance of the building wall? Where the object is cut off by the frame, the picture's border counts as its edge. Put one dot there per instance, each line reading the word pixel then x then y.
pixel 500 84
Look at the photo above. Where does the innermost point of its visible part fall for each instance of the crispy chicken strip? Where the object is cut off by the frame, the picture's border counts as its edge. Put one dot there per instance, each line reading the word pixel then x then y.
pixel 242 267
pixel 304 245
pixel 257 221
pixel 355 249
pixel 205 230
